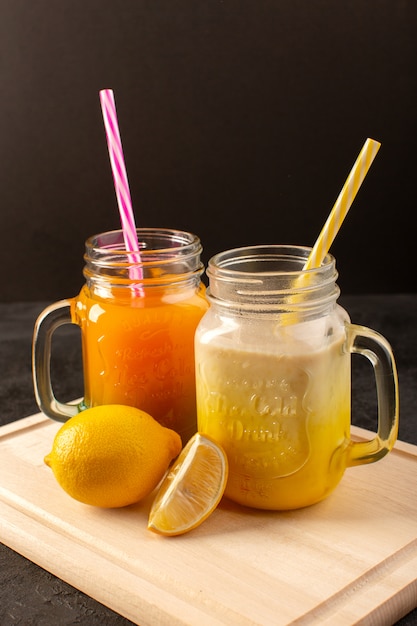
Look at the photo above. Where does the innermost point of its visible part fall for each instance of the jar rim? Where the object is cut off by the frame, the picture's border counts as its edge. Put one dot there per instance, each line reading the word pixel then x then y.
pixel 166 242
pixel 165 256
pixel 223 262
pixel 270 278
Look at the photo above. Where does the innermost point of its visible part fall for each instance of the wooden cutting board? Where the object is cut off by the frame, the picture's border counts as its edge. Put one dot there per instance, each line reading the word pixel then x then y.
pixel 350 559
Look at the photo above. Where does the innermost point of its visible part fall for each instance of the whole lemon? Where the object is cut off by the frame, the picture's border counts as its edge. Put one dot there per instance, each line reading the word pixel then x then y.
pixel 112 455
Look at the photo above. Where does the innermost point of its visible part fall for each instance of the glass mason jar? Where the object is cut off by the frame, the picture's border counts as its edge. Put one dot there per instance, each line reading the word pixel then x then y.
pixel 273 375
pixel 138 317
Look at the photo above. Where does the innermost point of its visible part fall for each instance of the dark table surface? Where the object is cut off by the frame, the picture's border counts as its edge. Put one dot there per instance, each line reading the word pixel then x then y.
pixel 31 596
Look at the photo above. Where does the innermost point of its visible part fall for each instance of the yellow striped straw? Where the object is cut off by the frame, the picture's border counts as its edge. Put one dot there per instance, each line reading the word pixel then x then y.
pixel 343 203
pixel 334 221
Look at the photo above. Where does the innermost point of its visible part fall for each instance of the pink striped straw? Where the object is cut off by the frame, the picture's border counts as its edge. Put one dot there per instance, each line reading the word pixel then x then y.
pixel 121 185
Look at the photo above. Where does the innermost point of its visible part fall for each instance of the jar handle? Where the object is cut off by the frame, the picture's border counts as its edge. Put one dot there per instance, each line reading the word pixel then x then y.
pixel 48 321
pixel 376 349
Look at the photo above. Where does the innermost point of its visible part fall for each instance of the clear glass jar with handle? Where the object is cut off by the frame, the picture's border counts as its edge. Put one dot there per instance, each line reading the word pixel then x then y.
pixel 138 318
pixel 273 373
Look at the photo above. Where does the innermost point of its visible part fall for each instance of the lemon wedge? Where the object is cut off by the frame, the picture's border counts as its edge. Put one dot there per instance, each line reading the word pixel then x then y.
pixel 191 489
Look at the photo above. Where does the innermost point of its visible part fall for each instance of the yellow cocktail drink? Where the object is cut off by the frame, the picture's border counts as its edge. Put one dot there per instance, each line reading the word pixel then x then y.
pixel 283 418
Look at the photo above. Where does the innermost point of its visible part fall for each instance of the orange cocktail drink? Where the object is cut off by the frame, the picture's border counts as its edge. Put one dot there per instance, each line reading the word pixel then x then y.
pixel 140 351
pixel 138 315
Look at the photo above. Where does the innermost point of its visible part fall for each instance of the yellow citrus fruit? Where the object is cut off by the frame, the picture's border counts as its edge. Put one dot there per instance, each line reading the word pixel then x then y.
pixel 192 488
pixel 112 455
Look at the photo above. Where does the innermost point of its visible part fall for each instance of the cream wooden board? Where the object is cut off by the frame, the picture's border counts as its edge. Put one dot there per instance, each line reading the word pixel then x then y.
pixel 351 559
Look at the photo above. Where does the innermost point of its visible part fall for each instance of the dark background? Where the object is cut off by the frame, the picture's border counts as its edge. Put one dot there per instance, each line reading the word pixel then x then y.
pixel 240 120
